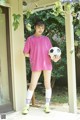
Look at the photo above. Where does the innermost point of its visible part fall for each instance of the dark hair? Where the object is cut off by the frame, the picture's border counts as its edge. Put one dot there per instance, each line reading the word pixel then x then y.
pixel 39 22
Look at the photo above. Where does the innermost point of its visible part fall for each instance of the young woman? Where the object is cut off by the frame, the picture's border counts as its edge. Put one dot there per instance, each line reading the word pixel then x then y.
pixel 37 48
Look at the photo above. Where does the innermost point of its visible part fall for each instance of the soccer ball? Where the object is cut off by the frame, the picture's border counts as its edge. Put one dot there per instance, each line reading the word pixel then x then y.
pixel 54 51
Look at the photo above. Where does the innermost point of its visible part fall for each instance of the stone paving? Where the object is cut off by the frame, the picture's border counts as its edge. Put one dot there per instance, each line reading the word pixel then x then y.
pixel 38 114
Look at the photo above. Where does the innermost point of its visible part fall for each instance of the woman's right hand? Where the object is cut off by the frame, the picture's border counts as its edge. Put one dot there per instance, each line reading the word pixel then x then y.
pixel 26 55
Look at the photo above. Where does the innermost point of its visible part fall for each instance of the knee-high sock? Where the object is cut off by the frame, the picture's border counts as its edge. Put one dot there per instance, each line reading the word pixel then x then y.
pixel 48 96
pixel 29 96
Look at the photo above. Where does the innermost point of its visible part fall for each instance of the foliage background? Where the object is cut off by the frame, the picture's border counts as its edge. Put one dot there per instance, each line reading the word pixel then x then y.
pixel 55 30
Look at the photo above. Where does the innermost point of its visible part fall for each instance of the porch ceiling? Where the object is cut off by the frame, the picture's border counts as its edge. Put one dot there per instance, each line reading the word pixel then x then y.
pixel 37 4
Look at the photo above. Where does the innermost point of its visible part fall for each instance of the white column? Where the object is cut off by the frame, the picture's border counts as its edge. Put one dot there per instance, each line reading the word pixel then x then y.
pixel 71 70
pixel 17 57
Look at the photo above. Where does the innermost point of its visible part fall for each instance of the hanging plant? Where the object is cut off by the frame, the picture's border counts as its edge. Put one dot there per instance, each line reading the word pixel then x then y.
pixel 2 1
pixel 16 20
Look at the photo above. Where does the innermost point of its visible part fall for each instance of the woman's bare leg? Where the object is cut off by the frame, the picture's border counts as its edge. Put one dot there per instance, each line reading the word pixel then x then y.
pixel 34 79
pixel 47 83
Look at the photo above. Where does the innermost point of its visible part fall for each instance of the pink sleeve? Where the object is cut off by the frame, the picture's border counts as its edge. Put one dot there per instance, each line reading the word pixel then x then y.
pixel 27 46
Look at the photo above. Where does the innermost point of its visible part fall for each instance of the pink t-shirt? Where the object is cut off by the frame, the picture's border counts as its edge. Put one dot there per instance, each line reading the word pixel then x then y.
pixel 38 48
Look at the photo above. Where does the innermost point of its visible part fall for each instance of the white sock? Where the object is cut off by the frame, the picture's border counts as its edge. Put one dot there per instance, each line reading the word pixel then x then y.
pixel 48 96
pixel 29 96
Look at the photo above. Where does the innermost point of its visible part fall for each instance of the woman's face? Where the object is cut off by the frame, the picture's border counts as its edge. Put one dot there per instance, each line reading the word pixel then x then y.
pixel 39 29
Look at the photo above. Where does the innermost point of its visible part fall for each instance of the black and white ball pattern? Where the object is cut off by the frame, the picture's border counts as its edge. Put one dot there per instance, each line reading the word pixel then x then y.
pixel 55 51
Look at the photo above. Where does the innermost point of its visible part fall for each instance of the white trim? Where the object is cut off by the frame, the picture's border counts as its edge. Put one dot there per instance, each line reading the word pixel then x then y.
pixel 43 8
pixel 40 9
pixel 5 5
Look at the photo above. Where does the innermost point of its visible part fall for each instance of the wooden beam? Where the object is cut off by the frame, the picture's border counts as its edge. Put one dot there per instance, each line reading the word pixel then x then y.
pixel 39 4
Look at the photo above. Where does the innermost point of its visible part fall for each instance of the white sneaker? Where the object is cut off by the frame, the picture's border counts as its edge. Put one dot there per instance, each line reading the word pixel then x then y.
pixel 47 109
pixel 25 110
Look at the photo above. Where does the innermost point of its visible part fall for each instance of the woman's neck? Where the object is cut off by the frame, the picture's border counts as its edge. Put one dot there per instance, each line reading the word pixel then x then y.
pixel 37 35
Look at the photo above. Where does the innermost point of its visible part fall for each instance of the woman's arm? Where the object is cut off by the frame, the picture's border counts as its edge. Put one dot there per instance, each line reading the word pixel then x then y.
pixel 26 49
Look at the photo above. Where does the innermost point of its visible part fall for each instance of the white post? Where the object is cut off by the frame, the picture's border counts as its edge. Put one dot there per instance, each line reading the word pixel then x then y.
pixel 71 62
pixel 17 57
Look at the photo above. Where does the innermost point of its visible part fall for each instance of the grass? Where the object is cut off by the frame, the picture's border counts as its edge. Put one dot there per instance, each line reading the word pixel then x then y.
pixel 59 96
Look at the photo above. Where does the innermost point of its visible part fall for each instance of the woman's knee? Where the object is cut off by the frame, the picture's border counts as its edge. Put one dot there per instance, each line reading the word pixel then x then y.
pixel 34 79
pixel 32 87
pixel 47 85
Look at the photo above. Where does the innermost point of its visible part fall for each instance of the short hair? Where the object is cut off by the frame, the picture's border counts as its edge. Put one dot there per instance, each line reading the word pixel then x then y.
pixel 39 22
